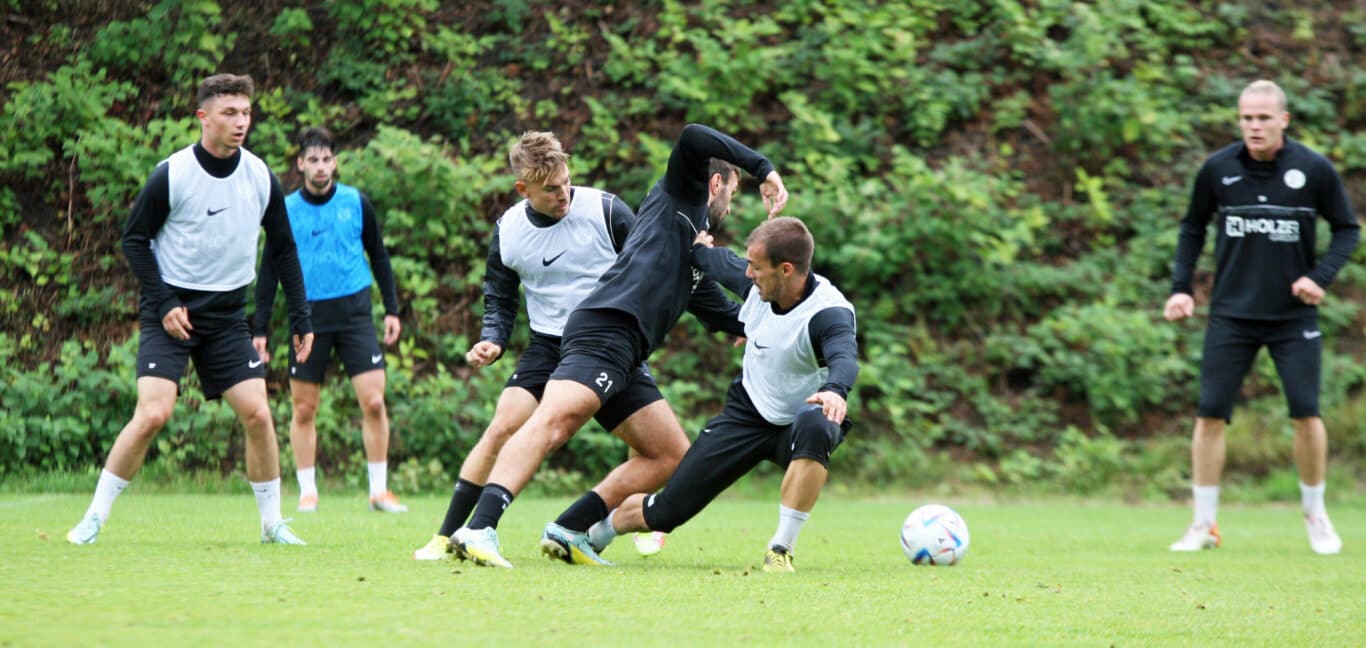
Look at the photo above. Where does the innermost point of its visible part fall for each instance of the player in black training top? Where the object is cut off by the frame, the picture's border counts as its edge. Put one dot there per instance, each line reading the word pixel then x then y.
pixel 1264 195
pixel 554 244
pixel 341 249
pixel 621 322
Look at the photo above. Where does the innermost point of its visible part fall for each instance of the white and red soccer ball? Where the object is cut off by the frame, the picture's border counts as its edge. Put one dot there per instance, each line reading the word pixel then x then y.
pixel 934 534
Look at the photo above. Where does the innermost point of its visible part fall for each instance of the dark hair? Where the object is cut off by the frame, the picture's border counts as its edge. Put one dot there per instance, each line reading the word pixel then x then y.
pixel 785 239
pixel 722 167
pixel 225 84
pixel 315 137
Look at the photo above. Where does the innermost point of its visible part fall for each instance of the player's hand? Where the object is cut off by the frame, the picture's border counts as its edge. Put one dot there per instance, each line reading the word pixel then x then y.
pixel 392 327
pixel 774 193
pixel 704 238
pixel 177 323
pixel 1307 290
pixel 739 341
pixel 1179 306
pixel 303 346
pixel 832 405
pixel 261 349
pixel 482 354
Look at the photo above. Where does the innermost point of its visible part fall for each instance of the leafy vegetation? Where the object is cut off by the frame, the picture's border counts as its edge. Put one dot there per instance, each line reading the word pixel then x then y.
pixel 995 184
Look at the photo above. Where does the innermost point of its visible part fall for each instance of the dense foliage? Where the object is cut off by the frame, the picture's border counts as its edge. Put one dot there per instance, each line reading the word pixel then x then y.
pixel 996 184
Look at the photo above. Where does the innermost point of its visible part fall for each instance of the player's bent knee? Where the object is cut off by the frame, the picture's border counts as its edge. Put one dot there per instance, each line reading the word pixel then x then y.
pixel 555 437
pixel 150 420
pixel 497 434
pixel 373 405
pixel 814 436
pixel 662 449
pixel 661 514
pixel 256 417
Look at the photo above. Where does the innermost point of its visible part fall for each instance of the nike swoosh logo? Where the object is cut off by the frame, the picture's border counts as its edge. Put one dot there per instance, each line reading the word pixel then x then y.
pixel 1228 180
pixel 761 347
pixel 374 359
pixel 1309 335
pixel 318 232
pixel 253 363
pixel 215 212
pixel 546 262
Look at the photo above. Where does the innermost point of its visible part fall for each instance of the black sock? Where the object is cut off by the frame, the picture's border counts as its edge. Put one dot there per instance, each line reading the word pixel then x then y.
pixel 583 513
pixel 492 502
pixel 464 498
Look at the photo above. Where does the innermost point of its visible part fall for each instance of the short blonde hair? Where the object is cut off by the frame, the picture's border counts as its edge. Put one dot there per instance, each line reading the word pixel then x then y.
pixel 1263 86
pixel 536 156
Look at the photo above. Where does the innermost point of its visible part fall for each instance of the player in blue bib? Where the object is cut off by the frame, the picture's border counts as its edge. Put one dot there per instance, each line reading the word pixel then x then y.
pixel 341 249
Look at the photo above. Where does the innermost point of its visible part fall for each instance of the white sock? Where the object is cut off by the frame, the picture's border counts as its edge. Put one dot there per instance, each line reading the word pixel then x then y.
pixel 379 477
pixel 1311 498
pixel 268 501
pixel 790 523
pixel 107 490
pixel 1206 504
pixel 602 533
pixel 308 481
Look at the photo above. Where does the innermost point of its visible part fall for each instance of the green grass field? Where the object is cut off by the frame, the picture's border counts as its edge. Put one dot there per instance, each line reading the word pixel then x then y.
pixel 188 569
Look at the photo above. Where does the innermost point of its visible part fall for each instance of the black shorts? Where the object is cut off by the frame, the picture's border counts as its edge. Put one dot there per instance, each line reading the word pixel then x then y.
pixel 357 347
pixel 731 445
pixel 222 353
pixel 541 360
pixel 600 350
pixel 1231 345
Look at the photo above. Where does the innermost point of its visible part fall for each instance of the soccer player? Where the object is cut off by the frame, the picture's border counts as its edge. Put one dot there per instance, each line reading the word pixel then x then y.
pixel 1265 194
pixel 788 404
pixel 616 327
pixel 556 242
pixel 191 241
pixel 336 230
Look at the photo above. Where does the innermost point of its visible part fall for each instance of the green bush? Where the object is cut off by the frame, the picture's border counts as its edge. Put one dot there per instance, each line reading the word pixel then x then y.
pixel 45 120
pixel 1117 359
pixel 464 98
pixel 63 415
pixel 180 38
pixel 996 185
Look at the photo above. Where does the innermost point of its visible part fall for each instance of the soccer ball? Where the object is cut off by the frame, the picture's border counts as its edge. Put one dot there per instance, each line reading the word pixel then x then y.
pixel 934 535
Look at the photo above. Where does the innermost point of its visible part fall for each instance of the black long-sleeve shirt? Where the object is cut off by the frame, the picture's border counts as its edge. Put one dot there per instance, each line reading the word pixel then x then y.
pixel 331 314
pixel 832 331
pixel 708 303
pixel 1265 214
pixel 150 210
pixel 652 280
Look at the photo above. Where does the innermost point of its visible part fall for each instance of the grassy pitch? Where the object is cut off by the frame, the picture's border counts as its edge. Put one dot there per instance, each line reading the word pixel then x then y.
pixel 188 569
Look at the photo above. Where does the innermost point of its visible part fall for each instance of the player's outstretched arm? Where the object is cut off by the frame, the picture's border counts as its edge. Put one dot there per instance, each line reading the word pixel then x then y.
pixel 689 163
